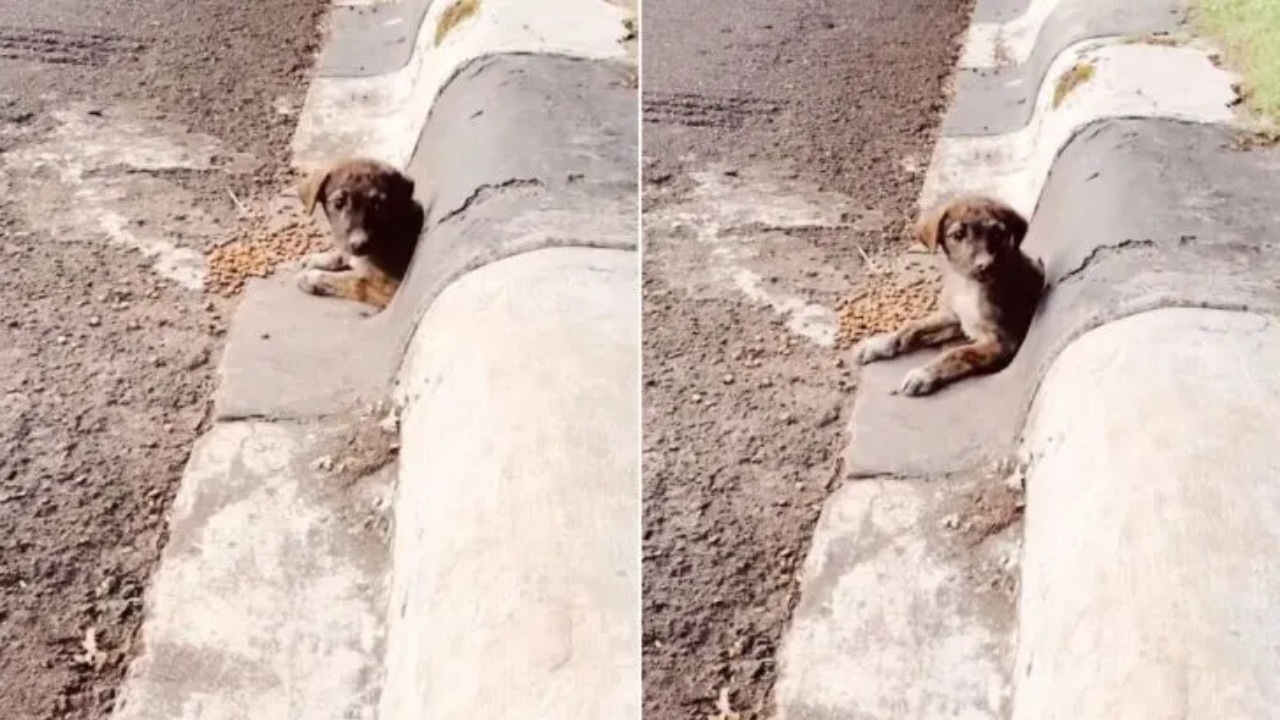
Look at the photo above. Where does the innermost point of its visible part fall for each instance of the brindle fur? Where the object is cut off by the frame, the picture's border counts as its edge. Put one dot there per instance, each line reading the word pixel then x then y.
pixel 374 222
pixel 990 293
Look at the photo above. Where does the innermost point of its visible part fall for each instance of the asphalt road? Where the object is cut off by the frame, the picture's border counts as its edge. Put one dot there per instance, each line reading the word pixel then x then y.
pixel 784 149
pixel 126 128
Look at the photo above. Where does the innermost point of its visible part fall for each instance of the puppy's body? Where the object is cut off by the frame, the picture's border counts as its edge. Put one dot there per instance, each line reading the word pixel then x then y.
pixel 374 221
pixel 989 295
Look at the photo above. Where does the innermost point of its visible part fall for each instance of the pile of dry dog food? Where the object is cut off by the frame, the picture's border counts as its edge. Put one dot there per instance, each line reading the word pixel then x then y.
pixel 267 242
pixel 884 305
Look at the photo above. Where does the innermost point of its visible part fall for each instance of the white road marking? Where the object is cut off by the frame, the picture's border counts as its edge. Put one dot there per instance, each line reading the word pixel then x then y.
pixel 92 176
pixel 721 214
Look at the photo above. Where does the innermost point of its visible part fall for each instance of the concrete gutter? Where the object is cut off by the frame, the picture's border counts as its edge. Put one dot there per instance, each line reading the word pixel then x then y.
pixel 493 570
pixel 1132 589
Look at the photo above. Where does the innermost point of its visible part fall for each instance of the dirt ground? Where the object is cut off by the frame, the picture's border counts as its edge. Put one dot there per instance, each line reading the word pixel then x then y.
pixel 106 358
pixel 784 145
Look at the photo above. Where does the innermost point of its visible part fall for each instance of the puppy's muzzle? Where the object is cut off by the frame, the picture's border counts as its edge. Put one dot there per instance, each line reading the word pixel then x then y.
pixel 983 267
pixel 358 241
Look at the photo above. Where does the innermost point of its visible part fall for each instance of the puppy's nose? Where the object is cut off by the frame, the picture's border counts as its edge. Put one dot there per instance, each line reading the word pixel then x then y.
pixel 982 265
pixel 357 240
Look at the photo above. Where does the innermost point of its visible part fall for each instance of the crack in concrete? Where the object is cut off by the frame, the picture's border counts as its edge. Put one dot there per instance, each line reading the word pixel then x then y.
pixel 1100 251
pixel 485 191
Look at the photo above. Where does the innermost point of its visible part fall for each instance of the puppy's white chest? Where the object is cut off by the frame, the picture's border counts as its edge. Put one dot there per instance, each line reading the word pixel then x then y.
pixel 965 300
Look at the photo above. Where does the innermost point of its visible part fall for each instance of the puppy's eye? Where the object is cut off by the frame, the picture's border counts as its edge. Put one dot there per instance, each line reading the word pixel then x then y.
pixel 339 201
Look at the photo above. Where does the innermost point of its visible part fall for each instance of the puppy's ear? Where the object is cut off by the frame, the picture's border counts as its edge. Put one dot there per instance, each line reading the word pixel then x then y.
pixel 1015 226
pixel 931 225
pixel 312 188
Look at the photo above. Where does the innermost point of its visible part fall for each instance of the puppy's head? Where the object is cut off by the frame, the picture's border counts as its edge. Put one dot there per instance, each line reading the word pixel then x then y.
pixel 976 234
pixel 364 201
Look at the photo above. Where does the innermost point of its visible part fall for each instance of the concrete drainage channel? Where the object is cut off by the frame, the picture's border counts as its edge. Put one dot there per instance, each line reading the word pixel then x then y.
pixel 1140 582
pixel 492 569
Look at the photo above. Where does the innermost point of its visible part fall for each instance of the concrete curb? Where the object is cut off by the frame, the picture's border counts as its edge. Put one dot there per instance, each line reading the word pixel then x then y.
pixel 1154 233
pixel 515 579
pixel 1147 591
pixel 494 571
pixel 381 116
pixel 1006 56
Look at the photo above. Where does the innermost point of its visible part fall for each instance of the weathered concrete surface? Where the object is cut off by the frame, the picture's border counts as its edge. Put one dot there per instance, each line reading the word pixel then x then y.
pixel 381 116
pixel 1153 523
pixel 1133 250
pixel 997 11
pixel 996 98
pixel 542 124
pixel 529 152
pixel 291 356
pixel 516 551
pixel 367 40
pixel 899 616
pixel 1128 79
pixel 269 599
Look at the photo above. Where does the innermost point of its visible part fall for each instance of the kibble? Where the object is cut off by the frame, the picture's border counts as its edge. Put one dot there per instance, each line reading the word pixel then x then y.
pixel 258 255
pixel 883 307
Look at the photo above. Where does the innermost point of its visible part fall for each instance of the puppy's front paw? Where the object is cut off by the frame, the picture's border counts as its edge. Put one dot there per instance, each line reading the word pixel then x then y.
pixel 312 282
pixel 920 381
pixel 876 347
pixel 330 260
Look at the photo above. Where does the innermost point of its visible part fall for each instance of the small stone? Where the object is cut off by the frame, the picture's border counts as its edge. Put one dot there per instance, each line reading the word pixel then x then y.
pixel 95 321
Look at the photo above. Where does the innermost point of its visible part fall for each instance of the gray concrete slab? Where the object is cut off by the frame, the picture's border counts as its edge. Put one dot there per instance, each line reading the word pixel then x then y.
pixel 277 619
pixel 906 609
pixel 1137 215
pixel 368 40
pixel 996 101
pixel 998 11
pixel 290 355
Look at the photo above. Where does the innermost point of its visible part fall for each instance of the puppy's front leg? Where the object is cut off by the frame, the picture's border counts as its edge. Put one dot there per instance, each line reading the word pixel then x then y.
pixel 370 288
pixel 955 364
pixel 932 330
pixel 332 260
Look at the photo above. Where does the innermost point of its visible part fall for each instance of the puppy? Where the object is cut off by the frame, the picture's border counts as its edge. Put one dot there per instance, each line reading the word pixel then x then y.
pixel 990 293
pixel 374 222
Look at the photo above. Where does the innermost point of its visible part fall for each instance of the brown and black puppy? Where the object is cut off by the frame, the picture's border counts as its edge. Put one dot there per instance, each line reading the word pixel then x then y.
pixel 375 223
pixel 989 295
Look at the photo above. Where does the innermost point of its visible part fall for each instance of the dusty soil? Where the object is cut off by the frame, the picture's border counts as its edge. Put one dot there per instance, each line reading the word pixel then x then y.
pixel 105 365
pixel 743 418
